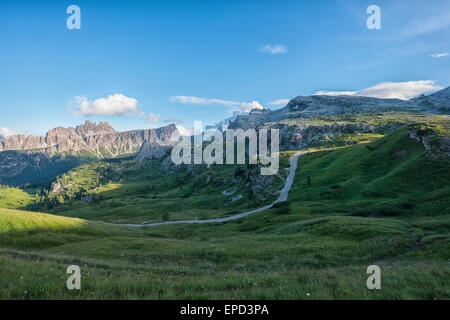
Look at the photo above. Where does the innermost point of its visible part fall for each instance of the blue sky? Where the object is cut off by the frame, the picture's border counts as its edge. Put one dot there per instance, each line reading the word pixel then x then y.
pixel 201 60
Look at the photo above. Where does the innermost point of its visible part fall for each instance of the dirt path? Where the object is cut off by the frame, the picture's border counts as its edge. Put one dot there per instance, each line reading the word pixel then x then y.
pixel 283 197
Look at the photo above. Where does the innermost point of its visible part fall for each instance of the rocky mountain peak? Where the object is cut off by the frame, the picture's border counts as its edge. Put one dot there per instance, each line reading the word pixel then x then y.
pixel 443 94
pixel 100 140
pixel 91 128
pixel 436 102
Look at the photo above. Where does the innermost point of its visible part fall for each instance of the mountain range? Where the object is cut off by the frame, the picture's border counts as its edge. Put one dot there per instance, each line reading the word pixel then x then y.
pixel 100 140
pixel 324 105
pixel 33 159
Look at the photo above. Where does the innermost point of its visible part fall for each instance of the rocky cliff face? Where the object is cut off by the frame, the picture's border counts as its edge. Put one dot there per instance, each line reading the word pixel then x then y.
pixel 100 140
pixel 434 144
pixel 159 142
pixel 294 138
pixel 298 128
pixel 316 106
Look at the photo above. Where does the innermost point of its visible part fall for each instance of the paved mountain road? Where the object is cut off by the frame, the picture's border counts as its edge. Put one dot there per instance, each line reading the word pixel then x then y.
pixel 283 197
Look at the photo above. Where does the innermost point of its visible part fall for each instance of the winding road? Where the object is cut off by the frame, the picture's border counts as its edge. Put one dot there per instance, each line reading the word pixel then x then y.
pixel 283 197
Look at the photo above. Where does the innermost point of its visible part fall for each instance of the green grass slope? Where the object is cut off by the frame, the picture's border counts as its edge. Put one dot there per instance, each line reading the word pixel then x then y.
pixel 392 176
pixel 26 229
pixel 267 256
pixel 15 198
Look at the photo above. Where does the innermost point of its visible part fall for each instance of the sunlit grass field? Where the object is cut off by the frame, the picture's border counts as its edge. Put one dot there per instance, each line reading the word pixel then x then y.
pixel 15 198
pixel 266 256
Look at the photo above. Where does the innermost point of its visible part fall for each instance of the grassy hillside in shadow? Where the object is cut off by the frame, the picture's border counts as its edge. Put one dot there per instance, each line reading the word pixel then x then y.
pixel 19 168
pixel 135 192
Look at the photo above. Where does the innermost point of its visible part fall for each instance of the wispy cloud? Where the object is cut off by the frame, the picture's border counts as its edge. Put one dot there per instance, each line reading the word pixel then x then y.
pixel 279 102
pixel 273 49
pixel 197 100
pixel 173 120
pixel 400 90
pixel 152 118
pixel 233 105
pixel 439 55
pixel 423 25
pixel 424 28
pixel 335 93
pixel 5 132
pixel 156 118
pixel 116 104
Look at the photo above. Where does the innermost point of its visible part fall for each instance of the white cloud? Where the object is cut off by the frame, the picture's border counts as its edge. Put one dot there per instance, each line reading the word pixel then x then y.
pixel 152 118
pixel 273 49
pixel 184 131
pixel 197 100
pixel 248 106
pixel 279 102
pixel 234 106
pixel 400 90
pixel 5 132
pixel 439 55
pixel 173 120
pixel 116 104
pixel 335 93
